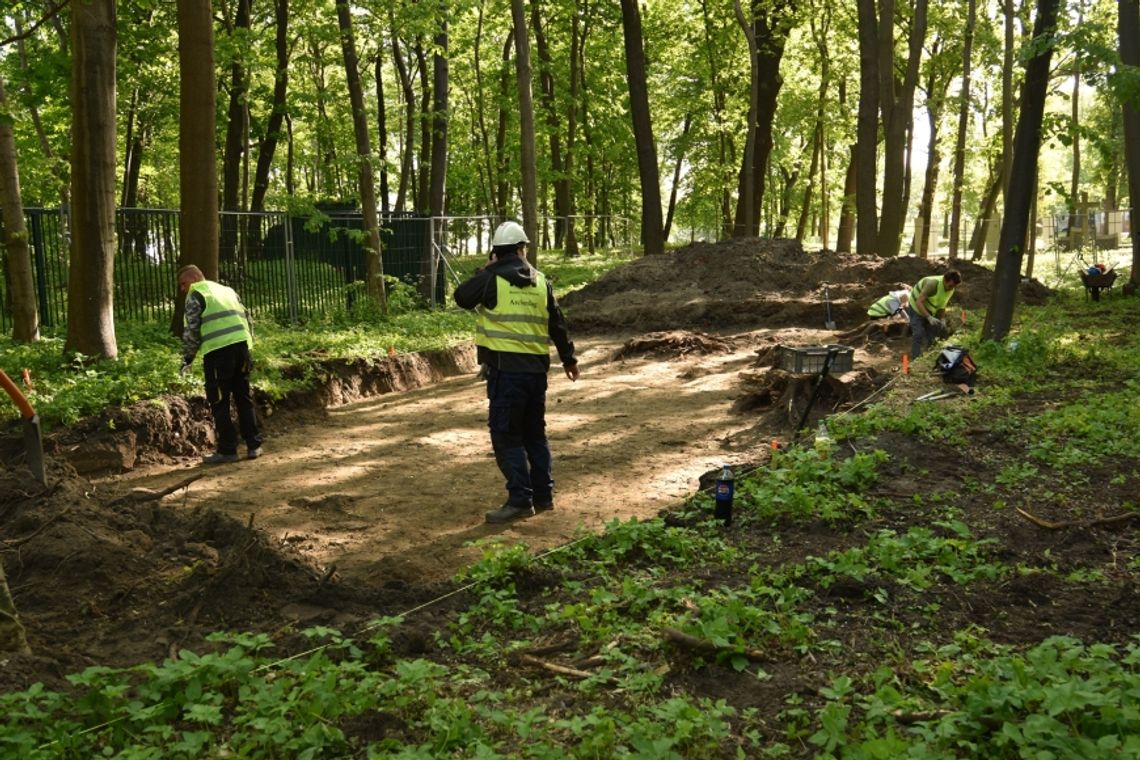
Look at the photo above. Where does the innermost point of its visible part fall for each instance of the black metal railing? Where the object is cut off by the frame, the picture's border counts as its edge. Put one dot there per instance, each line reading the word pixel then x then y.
pixel 287 268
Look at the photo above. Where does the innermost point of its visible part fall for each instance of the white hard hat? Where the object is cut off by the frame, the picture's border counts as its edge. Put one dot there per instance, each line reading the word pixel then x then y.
pixel 509 233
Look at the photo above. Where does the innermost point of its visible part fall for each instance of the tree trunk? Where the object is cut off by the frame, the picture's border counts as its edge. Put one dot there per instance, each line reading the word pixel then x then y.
pixel 21 284
pixel 502 186
pixel 745 195
pixel 424 179
pixel 820 35
pixel 1078 215
pixel 898 115
pixel 1023 180
pixel 529 165
pixel 267 146
pixel 90 291
pixel 577 43
pixel 847 210
pixel 375 282
pixel 677 165
pixel 198 182
pixel 1007 118
pixel 652 226
pixel 438 185
pixel 546 82
pixel 772 23
pixel 963 125
pixel 235 138
pixel 382 133
pixel 1129 30
pixel 935 101
pixel 865 161
pixel 409 123
pixel 985 216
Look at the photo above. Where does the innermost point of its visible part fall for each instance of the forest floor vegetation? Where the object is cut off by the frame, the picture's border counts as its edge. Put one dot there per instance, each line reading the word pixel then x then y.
pixel 950 578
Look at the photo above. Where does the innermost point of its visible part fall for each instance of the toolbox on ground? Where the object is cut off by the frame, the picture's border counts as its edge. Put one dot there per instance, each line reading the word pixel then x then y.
pixel 810 359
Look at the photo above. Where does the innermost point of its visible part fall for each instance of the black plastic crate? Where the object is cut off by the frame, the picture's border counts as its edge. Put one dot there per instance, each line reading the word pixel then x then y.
pixel 810 359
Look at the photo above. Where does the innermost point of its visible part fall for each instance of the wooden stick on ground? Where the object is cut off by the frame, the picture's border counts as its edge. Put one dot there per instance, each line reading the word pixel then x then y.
pixel 554 667
pixel 145 494
pixel 1099 522
pixel 705 646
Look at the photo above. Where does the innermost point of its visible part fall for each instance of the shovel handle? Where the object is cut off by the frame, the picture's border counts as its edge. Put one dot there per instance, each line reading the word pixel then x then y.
pixel 26 410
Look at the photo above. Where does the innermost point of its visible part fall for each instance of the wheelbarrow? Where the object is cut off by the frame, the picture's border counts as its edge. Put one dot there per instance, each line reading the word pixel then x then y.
pixel 1095 283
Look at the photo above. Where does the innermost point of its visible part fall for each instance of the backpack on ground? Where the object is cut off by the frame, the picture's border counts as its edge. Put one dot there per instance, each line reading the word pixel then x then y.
pixel 957 366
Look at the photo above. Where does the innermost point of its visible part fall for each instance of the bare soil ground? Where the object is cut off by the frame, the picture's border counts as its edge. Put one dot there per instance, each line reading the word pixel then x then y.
pixel 373 487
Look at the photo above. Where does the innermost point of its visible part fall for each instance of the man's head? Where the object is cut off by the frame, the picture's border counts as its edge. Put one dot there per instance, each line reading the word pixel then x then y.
pixel 187 276
pixel 509 239
pixel 952 279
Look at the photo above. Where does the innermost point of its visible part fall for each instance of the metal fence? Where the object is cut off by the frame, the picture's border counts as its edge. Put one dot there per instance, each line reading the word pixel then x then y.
pixel 287 268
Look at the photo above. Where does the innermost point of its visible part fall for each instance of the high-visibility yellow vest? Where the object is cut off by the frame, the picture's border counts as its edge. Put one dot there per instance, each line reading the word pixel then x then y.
pixel 936 302
pixel 519 322
pixel 224 321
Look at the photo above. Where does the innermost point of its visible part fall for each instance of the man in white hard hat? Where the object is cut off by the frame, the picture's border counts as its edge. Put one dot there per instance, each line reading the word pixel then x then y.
pixel 518 317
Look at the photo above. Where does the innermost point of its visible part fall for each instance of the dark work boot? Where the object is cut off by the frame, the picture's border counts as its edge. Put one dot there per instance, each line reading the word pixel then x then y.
pixel 509 512
pixel 543 504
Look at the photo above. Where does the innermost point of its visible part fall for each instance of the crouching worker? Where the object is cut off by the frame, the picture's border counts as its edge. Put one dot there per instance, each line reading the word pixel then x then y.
pixel 217 325
pixel 517 316
pixel 890 304
pixel 927 308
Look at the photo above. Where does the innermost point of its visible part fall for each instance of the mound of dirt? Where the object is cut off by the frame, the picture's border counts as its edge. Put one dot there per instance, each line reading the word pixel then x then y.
pixel 759 282
pixel 672 345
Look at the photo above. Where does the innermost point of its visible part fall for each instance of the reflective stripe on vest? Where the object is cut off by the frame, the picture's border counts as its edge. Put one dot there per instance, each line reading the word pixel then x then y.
pixel 519 323
pixel 934 303
pixel 224 321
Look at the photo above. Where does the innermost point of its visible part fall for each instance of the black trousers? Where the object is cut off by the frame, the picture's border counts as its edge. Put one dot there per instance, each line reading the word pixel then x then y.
pixel 227 376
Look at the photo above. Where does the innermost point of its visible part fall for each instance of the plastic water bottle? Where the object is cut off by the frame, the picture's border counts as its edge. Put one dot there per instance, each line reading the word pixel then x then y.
pixel 822 441
pixel 724 493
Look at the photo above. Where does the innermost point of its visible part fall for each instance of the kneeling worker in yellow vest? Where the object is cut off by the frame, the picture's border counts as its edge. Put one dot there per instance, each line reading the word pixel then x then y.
pixel 218 325
pixel 927 307
pixel 889 305
pixel 517 317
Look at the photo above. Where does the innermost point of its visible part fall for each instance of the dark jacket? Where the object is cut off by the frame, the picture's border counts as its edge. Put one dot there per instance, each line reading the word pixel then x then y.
pixel 482 289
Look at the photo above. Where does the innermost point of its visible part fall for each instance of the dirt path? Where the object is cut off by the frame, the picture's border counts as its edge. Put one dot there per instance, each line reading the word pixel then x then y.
pixel 394 488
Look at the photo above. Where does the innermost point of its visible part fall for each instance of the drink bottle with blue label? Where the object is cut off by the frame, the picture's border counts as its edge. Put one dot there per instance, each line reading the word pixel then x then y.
pixel 724 491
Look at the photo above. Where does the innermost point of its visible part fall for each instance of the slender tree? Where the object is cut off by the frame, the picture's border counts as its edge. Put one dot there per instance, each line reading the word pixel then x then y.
pixel 652 225
pixel 25 318
pixel 963 123
pixel 1023 180
pixel 528 161
pixel 90 291
pixel 438 188
pixel 1129 32
pixel 865 161
pixel 896 103
pixel 366 186
pixel 267 144
pixel 197 162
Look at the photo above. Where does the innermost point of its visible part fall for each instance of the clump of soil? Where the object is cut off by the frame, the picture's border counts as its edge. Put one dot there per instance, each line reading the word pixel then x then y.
pixel 672 344
pixel 759 282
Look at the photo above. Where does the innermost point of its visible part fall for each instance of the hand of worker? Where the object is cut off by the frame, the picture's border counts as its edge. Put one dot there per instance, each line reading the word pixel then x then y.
pixel 571 371
pixel 937 323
